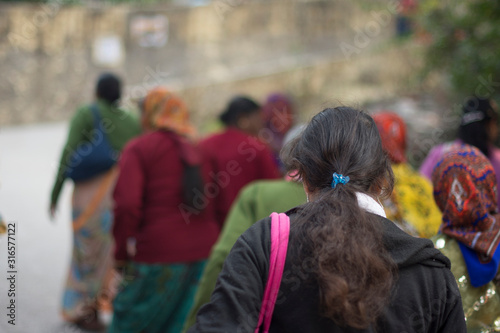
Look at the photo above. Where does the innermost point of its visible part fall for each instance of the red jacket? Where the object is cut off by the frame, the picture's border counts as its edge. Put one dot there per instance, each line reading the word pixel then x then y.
pixel 236 159
pixel 148 205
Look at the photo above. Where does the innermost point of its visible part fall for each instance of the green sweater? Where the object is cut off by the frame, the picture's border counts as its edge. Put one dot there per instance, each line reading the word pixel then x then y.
pixel 120 127
pixel 255 202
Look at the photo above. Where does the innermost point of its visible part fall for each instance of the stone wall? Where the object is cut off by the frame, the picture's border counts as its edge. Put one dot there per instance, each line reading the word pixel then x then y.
pixel 318 51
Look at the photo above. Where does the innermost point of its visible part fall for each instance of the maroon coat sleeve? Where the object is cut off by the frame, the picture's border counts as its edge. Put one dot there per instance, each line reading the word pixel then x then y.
pixel 128 199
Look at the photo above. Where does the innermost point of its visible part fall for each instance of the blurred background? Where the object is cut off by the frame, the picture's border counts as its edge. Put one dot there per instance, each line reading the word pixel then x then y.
pixel 420 59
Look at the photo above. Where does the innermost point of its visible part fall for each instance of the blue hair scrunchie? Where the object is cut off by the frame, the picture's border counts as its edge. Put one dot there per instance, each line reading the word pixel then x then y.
pixel 339 179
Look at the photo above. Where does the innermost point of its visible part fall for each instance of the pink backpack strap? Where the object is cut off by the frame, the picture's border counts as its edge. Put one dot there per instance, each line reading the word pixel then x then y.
pixel 280 229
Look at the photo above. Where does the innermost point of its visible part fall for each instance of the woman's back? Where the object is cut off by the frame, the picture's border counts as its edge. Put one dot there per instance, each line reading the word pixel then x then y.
pixel 237 159
pixel 465 191
pixel 347 268
pixel 411 204
pixel 150 198
pixel 425 296
pixel 156 202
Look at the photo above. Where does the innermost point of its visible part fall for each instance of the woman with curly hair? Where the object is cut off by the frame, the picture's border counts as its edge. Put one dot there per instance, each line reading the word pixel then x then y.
pixel 348 268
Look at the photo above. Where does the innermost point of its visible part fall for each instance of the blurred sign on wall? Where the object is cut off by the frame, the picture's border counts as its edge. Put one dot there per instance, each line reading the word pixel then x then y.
pixel 149 30
pixel 108 51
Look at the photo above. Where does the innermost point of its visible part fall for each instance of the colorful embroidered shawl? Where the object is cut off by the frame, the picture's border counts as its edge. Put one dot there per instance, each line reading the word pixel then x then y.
pixel 465 191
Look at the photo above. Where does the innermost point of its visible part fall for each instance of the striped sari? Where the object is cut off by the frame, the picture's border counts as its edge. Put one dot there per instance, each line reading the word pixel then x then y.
pixel 91 260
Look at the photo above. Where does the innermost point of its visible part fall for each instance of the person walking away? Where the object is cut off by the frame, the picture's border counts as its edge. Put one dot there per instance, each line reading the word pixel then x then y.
pixel 347 268
pixel 97 133
pixel 465 191
pixel 254 202
pixel 411 204
pixel 237 155
pixel 161 172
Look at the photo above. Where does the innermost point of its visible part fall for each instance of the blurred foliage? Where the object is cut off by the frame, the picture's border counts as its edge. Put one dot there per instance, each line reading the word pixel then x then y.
pixel 462 38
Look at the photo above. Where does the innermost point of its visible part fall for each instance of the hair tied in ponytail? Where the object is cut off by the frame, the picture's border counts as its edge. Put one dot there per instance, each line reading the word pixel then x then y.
pixel 339 179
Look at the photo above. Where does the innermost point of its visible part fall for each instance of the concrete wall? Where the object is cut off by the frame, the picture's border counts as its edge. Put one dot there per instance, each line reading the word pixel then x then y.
pixel 319 51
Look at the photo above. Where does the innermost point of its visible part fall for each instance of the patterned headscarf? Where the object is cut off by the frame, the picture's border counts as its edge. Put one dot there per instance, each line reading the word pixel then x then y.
pixel 392 129
pixel 465 191
pixel 164 110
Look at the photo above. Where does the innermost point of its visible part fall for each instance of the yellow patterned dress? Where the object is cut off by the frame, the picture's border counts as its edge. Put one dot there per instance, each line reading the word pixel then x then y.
pixel 481 305
pixel 411 205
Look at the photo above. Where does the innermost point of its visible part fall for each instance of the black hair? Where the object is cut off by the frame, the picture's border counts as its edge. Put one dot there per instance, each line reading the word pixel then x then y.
pixel 477 114
pixel 354 271
pixel 237 107
pixel 192 183
pixel 108 88
pixel 192 179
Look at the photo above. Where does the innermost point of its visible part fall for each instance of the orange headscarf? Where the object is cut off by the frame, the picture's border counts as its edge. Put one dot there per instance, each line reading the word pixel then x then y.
pixel 164 110
pixel 392 129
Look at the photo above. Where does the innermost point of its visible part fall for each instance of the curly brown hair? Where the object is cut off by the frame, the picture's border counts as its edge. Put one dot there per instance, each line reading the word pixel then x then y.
pixel 354 271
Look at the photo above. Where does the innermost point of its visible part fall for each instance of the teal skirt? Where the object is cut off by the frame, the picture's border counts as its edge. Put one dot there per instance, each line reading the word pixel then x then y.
pixel 155 297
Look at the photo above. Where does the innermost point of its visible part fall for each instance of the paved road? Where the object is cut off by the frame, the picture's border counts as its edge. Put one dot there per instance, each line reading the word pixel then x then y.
pixel 28 157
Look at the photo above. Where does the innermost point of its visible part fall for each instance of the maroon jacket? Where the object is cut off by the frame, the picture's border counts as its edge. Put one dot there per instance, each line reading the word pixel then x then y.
pixel 236 159
pixel 148 205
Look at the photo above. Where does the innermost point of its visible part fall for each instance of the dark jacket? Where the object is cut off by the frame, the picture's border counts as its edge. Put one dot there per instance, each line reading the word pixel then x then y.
pixel 426 296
